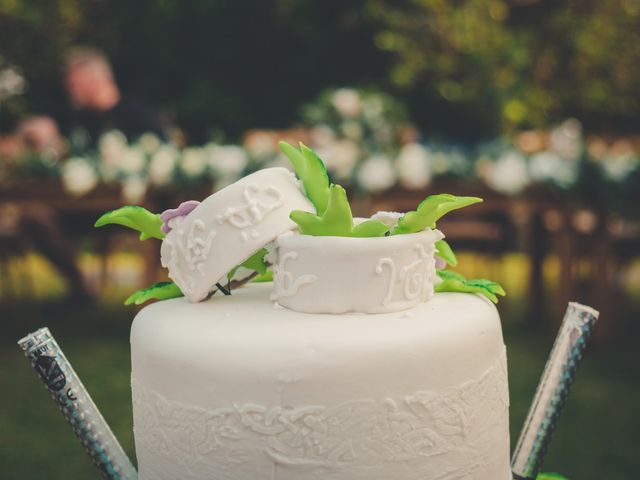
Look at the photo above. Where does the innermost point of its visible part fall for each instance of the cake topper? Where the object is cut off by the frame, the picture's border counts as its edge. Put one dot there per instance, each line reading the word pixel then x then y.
pixel 332 217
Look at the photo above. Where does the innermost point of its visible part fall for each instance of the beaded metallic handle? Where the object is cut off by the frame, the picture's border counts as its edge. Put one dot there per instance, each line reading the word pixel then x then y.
pixel 552 390
pixel 76 405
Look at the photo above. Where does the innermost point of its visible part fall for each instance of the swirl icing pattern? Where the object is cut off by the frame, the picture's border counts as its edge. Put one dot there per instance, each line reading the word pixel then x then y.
pixel 441 435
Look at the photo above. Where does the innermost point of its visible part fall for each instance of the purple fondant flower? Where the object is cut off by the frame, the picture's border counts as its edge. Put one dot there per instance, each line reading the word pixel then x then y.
pixel 184 209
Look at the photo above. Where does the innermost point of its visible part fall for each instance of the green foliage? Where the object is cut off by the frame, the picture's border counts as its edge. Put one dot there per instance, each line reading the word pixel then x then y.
pixel 254 262
pixel 430 211
pixel 265 277
pixel 454 282
pixel 337 219
pixel 444 251
pixel 312 172
pixel 158 291
pixel 134 217
pixel 551 476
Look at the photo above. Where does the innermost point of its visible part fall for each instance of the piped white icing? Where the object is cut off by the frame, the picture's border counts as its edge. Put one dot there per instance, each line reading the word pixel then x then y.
pixel 228 227
pixel 343 274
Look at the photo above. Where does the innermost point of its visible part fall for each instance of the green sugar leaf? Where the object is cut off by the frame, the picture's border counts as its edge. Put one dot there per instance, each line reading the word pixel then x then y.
pixel 337 220
pixel 454 282
pixel 265 277
pixel 551 476
pixel 254 262
pixel 158 291
pixel 430 210
pixel 134 217
pixel 312 172
pixel 444 251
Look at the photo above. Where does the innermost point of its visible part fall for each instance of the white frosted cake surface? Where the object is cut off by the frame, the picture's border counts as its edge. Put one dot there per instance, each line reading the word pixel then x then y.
pixel 237 388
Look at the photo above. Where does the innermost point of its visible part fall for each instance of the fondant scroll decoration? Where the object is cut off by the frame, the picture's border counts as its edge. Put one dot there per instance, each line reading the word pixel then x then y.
pixel 284 283
pixel 259 202
pixel 445 428
pixel 193 246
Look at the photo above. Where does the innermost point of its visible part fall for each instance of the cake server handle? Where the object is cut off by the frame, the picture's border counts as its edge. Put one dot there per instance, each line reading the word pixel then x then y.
pixel 76 405
pixel 552 390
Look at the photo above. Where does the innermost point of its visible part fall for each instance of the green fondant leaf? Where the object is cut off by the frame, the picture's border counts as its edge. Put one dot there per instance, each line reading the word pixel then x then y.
pixel 134 217
pixel 444 251
pixel 312 172
pixel 265 277
pixel 158 291
pixel 337 219
pixel 254 262
pixel 454 282
pixel 551 476
pixel 430 210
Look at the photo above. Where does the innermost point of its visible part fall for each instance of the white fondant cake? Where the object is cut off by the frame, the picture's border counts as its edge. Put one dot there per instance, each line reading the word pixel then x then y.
pixel 237 388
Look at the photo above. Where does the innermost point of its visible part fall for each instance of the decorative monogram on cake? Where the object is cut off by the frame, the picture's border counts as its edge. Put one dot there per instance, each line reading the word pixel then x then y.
pixel 284 283
pixel 259 201
pixel 188 248
pixel 415 280
pixel 453 428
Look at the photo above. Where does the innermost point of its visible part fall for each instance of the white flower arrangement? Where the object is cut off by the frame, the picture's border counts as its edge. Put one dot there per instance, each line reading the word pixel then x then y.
pixel 79 176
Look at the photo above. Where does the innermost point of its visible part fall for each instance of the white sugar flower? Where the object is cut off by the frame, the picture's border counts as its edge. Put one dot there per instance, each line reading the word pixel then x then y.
pixel 134 189
pixel 162 165
pixel 413 166
pixel 227 160
pixel 509 173
pixel 194 162
pixel 347 102
pixel 78 176
pixel 376 174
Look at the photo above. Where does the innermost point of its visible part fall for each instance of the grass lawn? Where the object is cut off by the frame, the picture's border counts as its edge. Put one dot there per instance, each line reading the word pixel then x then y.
pixel 598 436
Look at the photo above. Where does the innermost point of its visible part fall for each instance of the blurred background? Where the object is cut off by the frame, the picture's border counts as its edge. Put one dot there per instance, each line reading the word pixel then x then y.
pixel 532 104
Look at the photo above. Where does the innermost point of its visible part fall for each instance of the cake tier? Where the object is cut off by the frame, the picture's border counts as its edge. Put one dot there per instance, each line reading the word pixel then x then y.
pixel 236 388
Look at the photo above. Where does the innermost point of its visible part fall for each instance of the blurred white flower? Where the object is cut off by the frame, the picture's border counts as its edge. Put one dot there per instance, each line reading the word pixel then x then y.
pixel 376 174
pixel 149 142
pixel 509 174
pixel 111 147
pixel 340 157
pixel 193 162
pixel 548 166
pixel 352 129
pixel 78 176
pixel 132 160
pixel 347 102
pixel 618 167
pixel 227 160
pixel 440 163
pixel 11 83
pixel 321 136
pixel 566 139
pixel 162 165
pixel 414 169
pixel 260 143
pixel 134 189
pixel 373 108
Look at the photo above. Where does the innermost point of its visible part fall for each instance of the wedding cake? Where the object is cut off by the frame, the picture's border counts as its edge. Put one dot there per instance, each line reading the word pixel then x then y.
pixel 363 358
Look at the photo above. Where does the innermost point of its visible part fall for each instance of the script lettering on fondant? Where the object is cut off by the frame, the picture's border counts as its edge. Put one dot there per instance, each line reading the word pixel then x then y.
pixel 415 279
pixel 284 283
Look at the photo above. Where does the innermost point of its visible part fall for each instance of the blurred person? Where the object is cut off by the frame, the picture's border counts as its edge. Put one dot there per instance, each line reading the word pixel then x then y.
pixel 98 104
